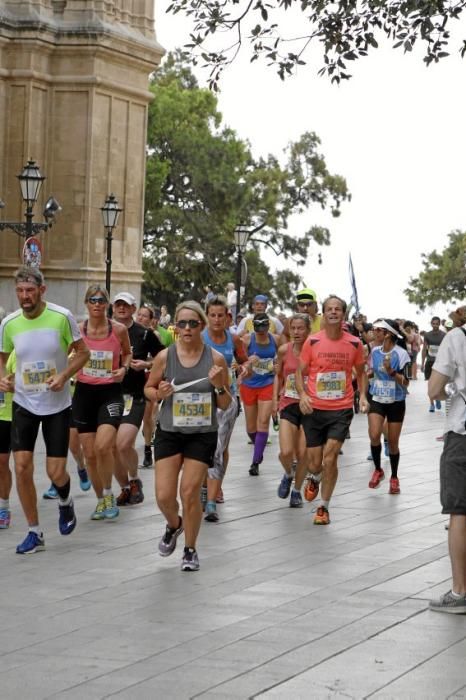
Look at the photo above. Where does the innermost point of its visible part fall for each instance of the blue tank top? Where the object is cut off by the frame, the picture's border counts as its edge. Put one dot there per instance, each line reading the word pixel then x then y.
pixel 227 349
pixel 262 372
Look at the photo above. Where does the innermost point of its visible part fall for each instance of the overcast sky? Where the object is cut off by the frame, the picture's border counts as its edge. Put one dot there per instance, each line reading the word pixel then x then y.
pixel 395 131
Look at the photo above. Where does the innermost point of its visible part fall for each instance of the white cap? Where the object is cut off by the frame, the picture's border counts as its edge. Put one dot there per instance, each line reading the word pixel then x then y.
pixel 386 326
pixel 126 297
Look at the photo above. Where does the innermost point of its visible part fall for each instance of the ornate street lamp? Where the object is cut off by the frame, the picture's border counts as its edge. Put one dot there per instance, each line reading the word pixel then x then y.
pixel 110 213
pixel 241 236
pixel 30 180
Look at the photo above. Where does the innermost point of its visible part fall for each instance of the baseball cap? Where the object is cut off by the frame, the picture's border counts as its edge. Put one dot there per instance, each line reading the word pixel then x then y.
pixel 306 294
pixel 449 323
pixel 126 297
pixel 261 297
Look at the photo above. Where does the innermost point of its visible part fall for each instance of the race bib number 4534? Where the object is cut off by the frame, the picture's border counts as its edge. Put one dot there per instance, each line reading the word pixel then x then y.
pixel 192 409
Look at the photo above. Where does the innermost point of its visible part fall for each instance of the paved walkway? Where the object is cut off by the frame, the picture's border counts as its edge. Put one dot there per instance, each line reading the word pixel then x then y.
pixel 279 609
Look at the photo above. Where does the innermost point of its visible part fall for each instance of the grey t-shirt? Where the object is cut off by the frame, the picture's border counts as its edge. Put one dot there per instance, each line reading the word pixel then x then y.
pixel 433 340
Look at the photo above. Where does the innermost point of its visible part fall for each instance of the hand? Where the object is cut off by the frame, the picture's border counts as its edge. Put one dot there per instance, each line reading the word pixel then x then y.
pixel 138 365
pixel 305 405
pixel 274 407
pixel 386 364
pixel 244 371
pixel 253 359
pixel 56 382
pixel 164 390
pixel 8 383
pixel 363 405
pixel 216 376
pixel 119 374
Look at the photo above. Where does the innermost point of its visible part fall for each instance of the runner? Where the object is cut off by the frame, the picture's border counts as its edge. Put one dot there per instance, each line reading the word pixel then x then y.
pixel 430 348
pixel 259 306
pixel 286 401
pixel 449 373
pixel 144 346
pixel 42 335
pixel 257 390
pixel 191 380
pixel 328 359
pixel 98 399
pixel 145 316
pixel 218 337
pixel 388 373
pixel 306 303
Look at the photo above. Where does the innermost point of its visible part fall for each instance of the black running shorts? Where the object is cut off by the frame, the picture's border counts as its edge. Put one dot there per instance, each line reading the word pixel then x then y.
pixel 5 436
pixel 292 414
pixel 198 446
pixel 320 426
pixel 55 429
pixel 453 474
pixel 95 405
pixel 393 412
pixel 136 412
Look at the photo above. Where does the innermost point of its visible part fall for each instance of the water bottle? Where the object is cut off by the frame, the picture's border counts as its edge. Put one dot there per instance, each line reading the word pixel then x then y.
pixel 275 422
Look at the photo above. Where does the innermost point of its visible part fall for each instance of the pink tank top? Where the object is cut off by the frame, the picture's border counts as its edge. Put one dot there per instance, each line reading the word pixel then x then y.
pixel 105 357
pixel 289 394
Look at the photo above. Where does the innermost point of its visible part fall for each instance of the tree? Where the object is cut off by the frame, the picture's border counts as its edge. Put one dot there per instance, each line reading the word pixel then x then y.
pixel 202 181
pixel 443 277
pixel 345 30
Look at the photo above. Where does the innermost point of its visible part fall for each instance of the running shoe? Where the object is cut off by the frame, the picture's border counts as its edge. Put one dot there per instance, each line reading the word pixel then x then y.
pixel 322 516
pixel 5 518
pixel 123 498
pixel 190 561
pixel 147 462
pixel 110 507
pixel 32 543
pixel 99 513
pixel 220 497
pixel 84 481
pixel 296 500
pixel 432 408
pixel 167 544
pixel 370 458
pixel 66 518
pixel 211 512
pixel 449 603
pixel 394 485
pixel 378 475
pixel 438 405
pixel 51 493
pixel 254 469
pixel 311 489
pixel 284 486
pixel 136 494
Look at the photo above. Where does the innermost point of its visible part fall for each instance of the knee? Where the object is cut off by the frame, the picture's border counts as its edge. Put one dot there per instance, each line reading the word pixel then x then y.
pixel 23 470
pixel 164 498
pixel 190 494
pixel 287 453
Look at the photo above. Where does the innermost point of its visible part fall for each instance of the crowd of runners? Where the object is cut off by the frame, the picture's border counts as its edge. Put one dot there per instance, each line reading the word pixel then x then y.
pixel 93 386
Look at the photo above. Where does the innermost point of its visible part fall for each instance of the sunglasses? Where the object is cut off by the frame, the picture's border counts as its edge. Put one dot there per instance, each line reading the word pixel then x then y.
pixel 97 300
pixel 305 303
pixel 190 323
pixel 261 324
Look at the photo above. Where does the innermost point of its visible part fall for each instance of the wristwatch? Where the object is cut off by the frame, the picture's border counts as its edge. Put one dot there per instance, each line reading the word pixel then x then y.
pixel 220 391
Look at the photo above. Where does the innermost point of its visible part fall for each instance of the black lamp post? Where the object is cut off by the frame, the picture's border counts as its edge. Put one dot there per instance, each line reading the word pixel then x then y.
pixel 241 236
pixel 30 181
pixel 110 213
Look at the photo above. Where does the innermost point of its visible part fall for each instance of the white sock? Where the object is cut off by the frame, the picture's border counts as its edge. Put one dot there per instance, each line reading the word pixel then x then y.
pixel 107 492
pixel 36 529
pixel 4 504
pixel 296 490
pixel 65 502
pixel 316 477
pixel 456 595
pixel 325 504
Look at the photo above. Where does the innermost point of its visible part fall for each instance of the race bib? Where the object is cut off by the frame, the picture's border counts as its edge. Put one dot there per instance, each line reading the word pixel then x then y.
pixel 35 375
pixel 2 399
pixel 383 390
pixel 263 366
pixel 99 364
pixel 192 410
pixel 290 386
pixel 433 350
pixel 331 385
pixel 128 404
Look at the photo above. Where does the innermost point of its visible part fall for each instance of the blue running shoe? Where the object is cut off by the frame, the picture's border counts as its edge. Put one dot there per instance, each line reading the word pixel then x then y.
pixel 438 405
pixel 111 510
pixel 66 518
pixel 284 486
pixel 84 482
pixel 432 408
pixel 296 500
pixel 51 493
pixel 32 543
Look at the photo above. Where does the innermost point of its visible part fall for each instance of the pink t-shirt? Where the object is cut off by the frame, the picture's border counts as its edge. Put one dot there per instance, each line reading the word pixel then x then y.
pixel 329 367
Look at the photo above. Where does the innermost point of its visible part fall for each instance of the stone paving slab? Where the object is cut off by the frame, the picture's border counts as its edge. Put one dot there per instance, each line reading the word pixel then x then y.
pixel 279 609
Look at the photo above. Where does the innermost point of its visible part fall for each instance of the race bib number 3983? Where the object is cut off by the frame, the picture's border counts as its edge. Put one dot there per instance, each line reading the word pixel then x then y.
pixel 331 385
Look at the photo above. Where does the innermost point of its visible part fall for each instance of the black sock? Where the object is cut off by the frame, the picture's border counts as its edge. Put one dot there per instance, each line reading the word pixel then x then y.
pixel 394 460
pixel 376 451
pixel 63 491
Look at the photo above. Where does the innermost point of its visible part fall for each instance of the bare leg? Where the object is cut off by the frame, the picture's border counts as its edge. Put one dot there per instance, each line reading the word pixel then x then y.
pixel 166 488
pixel 193 475
pixel 457 549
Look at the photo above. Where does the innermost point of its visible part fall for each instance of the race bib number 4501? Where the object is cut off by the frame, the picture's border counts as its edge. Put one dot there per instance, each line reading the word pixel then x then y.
pixel 35 375
pixel 192 409
pixel 331 385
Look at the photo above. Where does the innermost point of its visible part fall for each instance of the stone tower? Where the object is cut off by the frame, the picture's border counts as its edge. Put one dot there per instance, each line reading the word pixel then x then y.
pixel 74 97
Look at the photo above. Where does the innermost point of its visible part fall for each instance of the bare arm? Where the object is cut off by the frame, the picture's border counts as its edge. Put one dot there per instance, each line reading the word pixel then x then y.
pixel 361 378
pixel 436 386
pixel 153 389
pixel 126 354
pixel 218 377
pixel 78 355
